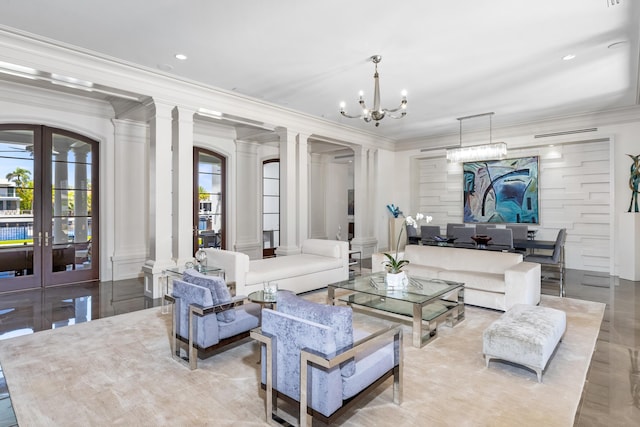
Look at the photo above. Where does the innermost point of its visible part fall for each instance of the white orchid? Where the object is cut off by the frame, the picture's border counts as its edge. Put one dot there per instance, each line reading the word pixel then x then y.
pixel 393 264
pixel 419 217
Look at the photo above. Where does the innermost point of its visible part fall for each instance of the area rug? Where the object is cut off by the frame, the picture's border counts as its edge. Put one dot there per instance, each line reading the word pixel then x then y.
pixel 119 371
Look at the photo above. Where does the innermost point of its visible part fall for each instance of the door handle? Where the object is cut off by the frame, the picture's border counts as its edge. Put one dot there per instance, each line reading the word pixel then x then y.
pixel 46 238
pixel 38 239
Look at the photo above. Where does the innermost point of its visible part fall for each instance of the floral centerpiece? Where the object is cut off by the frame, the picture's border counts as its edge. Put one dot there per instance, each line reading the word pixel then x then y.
pixel 394 265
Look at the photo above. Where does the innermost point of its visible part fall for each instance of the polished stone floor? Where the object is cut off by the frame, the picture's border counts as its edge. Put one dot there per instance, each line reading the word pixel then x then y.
pixel 608 397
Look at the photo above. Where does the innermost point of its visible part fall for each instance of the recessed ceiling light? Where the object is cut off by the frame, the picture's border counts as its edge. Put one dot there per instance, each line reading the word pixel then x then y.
pixel 181 56
pixel 568 57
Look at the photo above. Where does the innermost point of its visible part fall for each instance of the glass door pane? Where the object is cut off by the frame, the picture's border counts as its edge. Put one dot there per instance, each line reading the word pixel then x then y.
pixel 209 197
pixel 19 257
pixel 270 207
pixel 70 240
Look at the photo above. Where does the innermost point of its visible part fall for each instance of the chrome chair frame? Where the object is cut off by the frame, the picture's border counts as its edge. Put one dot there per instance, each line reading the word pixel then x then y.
pixel 308 357
pixel 200 311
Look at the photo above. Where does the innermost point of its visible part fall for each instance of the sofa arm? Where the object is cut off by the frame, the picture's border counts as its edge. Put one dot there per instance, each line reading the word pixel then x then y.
pixel 378 259
pixel 522 284
pixel 234 264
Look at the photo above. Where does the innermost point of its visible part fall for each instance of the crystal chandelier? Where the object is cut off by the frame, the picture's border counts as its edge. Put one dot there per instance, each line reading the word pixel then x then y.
pixel 490 151
pixel 376 114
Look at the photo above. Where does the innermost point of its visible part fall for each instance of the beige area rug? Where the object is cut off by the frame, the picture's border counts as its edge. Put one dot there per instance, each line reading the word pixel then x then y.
pixel 118 371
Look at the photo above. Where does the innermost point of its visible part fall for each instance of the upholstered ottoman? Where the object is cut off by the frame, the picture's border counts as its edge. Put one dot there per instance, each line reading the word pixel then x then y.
pixel 526 335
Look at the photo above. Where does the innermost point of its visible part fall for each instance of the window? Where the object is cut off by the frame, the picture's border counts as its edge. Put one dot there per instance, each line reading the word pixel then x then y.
pixel 270 207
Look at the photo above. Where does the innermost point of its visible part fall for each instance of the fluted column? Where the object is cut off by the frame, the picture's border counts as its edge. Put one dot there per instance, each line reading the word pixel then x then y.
pixel 182 148
pixel 288 193
pixel 248 214
pixel 317 197
pixel 302 180
pixel 160 199
pixel 364 166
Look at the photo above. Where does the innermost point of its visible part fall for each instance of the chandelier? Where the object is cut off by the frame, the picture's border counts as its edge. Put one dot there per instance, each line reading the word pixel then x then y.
pixel 490 151
pixel 376 114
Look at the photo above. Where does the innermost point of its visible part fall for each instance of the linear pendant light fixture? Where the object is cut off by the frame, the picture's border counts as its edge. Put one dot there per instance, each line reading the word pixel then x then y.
pixel 490 151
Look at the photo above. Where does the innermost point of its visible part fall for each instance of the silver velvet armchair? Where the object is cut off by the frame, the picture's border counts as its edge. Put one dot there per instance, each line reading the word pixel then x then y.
pixel 312 357
pixel 206 317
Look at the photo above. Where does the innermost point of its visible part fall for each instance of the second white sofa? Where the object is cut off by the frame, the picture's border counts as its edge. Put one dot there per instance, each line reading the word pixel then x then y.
pixel 319 263
pixel 492 279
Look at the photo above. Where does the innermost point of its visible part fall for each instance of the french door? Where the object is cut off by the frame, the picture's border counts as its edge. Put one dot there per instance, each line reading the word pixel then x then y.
pixel 209 199
pixel 48 207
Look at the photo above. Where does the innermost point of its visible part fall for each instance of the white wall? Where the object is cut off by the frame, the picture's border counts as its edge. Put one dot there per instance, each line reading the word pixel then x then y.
pixel 444 200
pixel 574 193
pixel 337 183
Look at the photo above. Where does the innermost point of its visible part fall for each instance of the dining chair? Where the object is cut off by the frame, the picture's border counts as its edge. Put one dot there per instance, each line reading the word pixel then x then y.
pixel 412 235
pixel 463 234
pixel 555 261
pixel 427 232
pixel 520 231
pixel 482 228
pixel 501 237
pixel 451 226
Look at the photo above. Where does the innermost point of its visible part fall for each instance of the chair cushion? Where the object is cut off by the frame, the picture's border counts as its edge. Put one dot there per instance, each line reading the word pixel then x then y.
pixel 247 317
pixel 219 292
pixel 370 365
pixel 338 318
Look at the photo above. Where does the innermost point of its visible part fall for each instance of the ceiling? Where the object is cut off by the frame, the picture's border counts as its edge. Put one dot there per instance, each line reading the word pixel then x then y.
pixel 454 58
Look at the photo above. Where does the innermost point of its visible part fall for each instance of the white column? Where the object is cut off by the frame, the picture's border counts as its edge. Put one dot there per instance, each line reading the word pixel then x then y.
pixel 365 200
pixel 303 187
pixel 182 148
pixel 160 206
pixel 629 258
pixel 288 192
pixel 124 220
pixel 317 198
pixel 249 200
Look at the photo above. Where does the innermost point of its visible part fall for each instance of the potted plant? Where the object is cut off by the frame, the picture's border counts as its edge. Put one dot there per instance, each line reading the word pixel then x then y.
pixel 395 276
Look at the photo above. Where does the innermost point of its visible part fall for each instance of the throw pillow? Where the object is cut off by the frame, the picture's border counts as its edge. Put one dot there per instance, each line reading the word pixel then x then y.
pixel 219 292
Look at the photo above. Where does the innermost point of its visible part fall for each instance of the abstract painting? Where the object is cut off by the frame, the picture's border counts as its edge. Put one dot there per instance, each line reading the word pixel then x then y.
pixel 502 191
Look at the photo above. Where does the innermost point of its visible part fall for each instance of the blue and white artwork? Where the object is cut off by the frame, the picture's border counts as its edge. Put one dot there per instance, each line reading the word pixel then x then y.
pixel 502 191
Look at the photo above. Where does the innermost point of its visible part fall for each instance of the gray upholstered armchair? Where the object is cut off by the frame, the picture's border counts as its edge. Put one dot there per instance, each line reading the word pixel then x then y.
pixel 206 317
pixel 312 356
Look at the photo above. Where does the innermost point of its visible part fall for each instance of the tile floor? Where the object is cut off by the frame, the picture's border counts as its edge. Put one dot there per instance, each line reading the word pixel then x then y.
pixel 607 400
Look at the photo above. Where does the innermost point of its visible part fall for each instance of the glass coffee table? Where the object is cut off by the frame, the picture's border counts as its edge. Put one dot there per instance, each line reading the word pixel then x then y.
pixel 427 301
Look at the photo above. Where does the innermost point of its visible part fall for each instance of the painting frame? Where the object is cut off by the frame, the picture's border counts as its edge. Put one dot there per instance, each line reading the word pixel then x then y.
pixel 502 191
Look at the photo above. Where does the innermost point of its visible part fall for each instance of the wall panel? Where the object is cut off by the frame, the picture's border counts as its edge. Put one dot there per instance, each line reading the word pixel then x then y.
pixel 575 193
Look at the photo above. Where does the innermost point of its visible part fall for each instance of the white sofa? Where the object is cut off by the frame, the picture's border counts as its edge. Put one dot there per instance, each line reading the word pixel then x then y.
pixel 492 279
pixel 320 263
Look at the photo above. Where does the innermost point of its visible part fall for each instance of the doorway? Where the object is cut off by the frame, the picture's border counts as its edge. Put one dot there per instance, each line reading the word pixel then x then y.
pixel 209 199
pixel 48 207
